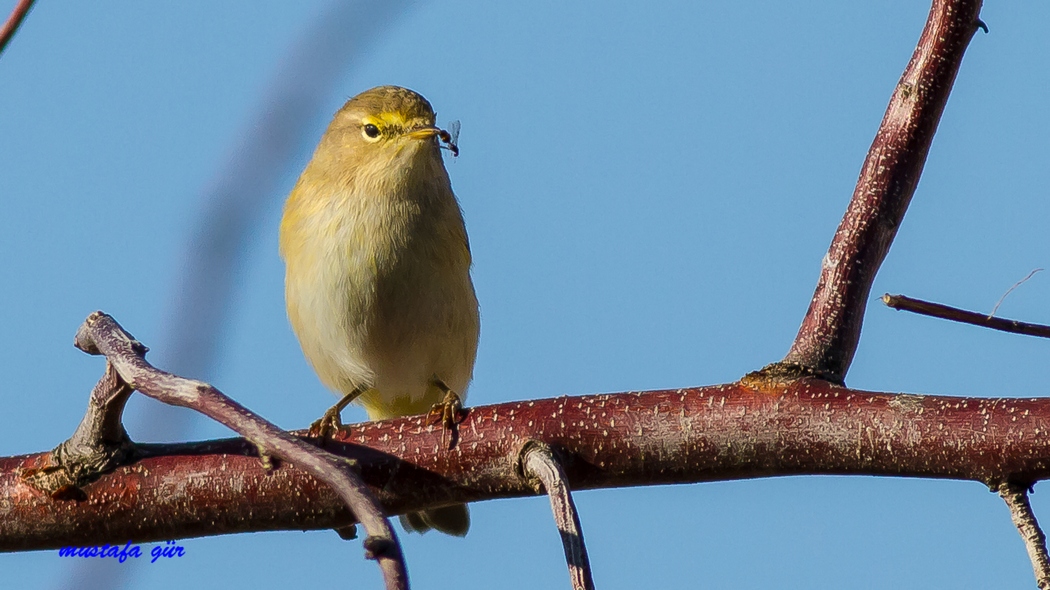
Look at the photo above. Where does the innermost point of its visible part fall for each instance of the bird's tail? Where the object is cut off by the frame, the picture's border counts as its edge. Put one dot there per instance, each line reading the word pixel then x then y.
pixel 451 520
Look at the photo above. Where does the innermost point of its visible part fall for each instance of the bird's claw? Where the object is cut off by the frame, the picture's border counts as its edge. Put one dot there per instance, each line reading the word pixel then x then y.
pixel 449 412
pixel 328 425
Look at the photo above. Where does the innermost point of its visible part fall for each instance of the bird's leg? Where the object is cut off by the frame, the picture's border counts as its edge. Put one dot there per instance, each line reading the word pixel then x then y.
pixel 331 422
pixel 449 411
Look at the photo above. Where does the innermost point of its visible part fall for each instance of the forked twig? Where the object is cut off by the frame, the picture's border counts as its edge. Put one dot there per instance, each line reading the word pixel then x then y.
pixel 539 463
pixel 945 312
pixel 101 334
pixel 1016 497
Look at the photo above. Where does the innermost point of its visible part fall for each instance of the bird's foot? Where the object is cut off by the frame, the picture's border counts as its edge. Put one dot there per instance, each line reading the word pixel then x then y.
pixel 328 425
pixel 449 412
pixel 331 422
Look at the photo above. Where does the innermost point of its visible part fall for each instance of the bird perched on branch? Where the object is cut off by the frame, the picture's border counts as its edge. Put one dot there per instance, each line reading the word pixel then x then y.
pixel 377 280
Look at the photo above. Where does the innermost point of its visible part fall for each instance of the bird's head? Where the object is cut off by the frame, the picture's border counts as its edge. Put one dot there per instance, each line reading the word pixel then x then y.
pixel 384 125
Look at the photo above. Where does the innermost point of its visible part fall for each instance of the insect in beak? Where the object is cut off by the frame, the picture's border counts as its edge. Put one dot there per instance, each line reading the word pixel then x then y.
pixel 446 137
pixel 451 138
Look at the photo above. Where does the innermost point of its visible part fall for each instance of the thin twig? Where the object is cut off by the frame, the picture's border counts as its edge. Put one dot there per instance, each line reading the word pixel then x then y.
pixel 101 334
pixel 1016 497
pixel 7 31
pixel 1010 290
pixel 539 463
pixel 937 310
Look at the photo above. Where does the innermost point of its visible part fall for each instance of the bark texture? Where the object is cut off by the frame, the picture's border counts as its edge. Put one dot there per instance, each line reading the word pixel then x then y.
pixel 830 331
pixel 722 432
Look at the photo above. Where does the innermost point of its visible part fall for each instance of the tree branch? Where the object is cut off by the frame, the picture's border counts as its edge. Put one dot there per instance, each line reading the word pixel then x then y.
pixel 945 312
pixel 1016 497
pixel 712 433
pixel 10 27
pixel 62 473
pixel 792 418
pixel 830 331
pixel 539 463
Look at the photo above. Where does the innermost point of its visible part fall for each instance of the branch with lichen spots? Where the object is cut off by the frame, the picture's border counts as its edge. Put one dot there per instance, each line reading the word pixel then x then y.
pixel 723 432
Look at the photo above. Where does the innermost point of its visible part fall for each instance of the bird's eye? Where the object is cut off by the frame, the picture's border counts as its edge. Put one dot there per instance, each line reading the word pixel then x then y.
pixel 371 131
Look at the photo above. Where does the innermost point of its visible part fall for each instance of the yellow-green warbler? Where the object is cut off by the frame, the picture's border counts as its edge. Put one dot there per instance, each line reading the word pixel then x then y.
pixel 377 277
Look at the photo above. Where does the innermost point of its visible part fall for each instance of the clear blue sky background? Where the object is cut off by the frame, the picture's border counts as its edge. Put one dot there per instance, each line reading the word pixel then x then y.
pixel 649 190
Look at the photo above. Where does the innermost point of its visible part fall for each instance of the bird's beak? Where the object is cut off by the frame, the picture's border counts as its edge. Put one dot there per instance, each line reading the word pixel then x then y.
pixel 424 132
pixel 428 132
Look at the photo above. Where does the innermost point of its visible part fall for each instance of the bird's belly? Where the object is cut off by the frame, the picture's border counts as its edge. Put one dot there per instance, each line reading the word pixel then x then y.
pixel 392 328
pixel 424 332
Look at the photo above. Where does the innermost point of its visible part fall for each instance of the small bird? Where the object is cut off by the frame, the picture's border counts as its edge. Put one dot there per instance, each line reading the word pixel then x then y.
pixel 377 281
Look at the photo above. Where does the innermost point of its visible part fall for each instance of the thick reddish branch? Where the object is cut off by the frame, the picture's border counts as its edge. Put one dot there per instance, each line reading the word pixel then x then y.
pixel 690 435
pixel 830 331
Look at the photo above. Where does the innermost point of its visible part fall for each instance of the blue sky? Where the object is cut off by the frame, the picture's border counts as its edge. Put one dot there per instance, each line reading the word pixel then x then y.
pixel 648 190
